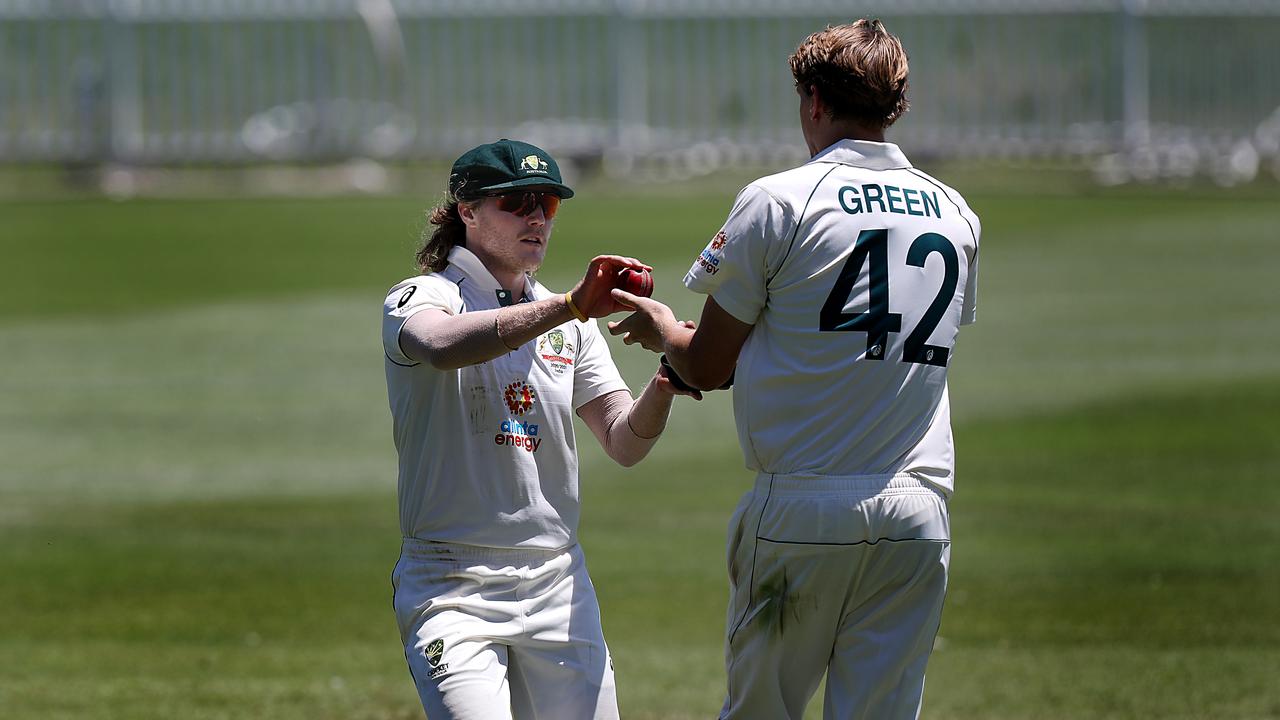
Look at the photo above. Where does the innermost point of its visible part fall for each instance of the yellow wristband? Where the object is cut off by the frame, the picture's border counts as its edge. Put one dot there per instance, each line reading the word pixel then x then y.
pixel 568 298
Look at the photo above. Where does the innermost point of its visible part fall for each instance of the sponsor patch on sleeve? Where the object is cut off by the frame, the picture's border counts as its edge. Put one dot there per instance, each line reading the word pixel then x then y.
pixel 710 258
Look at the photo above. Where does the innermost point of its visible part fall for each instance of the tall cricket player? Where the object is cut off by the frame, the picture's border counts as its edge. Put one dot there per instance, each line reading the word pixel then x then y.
pixel 485 368
pixel 836 290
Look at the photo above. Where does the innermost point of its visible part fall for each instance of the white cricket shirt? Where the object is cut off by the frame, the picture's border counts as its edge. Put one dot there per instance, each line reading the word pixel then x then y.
pixel 857 271
pixel 487 452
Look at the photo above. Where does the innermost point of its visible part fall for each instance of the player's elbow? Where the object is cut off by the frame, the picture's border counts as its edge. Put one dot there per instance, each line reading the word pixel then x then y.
pixel 630 458
pixel 708 377
pixel 627 461
pixel 628 452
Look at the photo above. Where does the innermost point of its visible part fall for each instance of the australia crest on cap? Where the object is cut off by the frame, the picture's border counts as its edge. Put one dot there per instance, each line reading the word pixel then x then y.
pixel 533 164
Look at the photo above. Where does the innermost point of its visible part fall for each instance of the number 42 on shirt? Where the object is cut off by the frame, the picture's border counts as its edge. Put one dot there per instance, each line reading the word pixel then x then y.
pixel 876 321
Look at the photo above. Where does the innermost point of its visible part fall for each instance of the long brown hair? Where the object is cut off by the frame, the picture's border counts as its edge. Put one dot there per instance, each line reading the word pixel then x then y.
pixel 446 231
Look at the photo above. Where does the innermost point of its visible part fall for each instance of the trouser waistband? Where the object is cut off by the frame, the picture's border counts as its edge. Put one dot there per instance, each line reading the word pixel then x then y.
pixel 418 547
pixel 866 485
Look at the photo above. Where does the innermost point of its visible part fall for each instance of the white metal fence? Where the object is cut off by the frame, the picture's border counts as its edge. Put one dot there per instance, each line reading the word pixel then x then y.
pixel 630 81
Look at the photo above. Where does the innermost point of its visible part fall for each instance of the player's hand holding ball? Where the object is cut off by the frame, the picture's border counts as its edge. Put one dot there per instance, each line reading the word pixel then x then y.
pixel 592 297
pixel 636 282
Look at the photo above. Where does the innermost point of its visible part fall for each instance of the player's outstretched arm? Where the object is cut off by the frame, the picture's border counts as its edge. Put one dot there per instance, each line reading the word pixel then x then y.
pixel 449 342
pixel 627 429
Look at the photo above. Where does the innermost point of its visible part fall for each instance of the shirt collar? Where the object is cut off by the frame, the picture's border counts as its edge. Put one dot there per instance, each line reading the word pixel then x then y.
pixel 470 265
pixel 864 154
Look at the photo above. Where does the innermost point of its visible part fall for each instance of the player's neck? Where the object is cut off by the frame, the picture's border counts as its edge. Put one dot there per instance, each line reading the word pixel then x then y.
pixel 503 270
pixel 511 280
pixel 830 134
pixel 868 134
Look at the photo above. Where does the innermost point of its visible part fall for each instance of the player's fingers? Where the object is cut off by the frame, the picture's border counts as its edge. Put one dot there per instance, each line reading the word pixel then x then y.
pixel 625 299
pixel 615 261
pixel 601 268
pixel 616 329
pixel 648 306
pixel 622 326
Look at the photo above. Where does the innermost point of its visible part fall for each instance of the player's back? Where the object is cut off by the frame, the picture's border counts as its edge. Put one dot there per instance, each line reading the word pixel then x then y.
pixel 845 370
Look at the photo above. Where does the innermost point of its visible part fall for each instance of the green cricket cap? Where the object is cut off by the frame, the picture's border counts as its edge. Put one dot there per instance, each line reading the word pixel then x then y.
pixel 504 165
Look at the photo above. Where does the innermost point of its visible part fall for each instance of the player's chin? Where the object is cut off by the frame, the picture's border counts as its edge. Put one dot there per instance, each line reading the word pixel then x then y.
pixel 534 253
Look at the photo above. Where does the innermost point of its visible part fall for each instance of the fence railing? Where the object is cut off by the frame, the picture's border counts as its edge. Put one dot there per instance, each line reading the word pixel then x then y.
pixel 629 81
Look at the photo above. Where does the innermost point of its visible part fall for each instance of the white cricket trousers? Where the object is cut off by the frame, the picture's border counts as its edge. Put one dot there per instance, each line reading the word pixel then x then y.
pixel 842 575
pixel 498 634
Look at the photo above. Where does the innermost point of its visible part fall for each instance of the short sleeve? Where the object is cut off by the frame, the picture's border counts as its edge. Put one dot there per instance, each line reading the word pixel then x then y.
pixel 594 373
pixel 408 298
pixel 969 314
pixel 736 265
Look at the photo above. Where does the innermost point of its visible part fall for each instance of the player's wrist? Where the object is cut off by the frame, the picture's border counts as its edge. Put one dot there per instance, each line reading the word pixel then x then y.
pixel 497 330
pixel 668 334
pixel 651 435
pixel 571 305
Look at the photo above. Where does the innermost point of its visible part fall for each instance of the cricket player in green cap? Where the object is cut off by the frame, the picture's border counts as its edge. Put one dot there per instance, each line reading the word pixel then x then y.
pixel 485 369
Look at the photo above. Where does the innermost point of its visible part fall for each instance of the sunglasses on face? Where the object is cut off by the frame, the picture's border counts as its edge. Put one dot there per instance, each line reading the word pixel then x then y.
pixel 522 204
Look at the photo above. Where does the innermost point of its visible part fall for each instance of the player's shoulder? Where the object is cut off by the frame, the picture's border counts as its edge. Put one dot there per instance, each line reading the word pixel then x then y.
pixel 951 193
pixel 437 280
pixel 438 286
pixel 790 187
pixel 954 197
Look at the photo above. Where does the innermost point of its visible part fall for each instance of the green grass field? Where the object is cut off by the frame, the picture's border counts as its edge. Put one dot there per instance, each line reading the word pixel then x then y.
pixel 197 481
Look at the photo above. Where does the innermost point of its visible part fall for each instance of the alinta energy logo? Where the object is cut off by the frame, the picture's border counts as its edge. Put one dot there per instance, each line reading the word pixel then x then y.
pixel 710 258
pixel 520 398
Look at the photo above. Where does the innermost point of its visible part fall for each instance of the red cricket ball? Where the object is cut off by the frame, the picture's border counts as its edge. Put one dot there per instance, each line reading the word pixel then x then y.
pixel 636 282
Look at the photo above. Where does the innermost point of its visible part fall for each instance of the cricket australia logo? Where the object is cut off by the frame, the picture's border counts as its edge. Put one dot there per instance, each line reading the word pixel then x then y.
pixel 435 650
pixel 556 351
pixel 719 240
pixel 519 397
pixel 533 163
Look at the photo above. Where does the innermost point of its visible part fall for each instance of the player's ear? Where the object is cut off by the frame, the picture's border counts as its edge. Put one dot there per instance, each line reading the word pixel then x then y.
pixel 467 211
pixel 817 103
